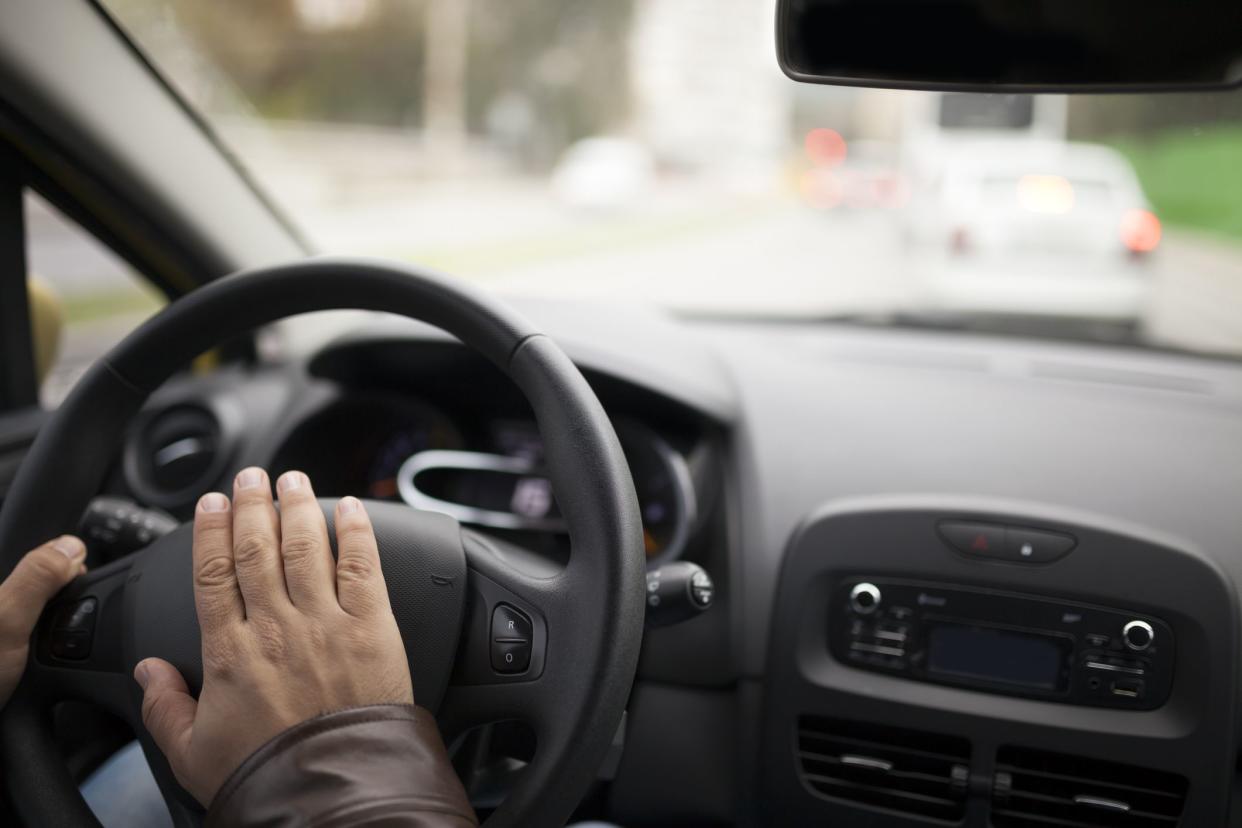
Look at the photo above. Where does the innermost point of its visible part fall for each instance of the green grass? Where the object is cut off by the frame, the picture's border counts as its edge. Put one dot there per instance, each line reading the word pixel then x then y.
pixel 90 307
pixel 1193 180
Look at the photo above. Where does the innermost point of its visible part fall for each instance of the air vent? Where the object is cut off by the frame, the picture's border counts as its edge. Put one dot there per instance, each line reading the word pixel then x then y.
pixel 174 454
pixel 1034 789
pixel 885 767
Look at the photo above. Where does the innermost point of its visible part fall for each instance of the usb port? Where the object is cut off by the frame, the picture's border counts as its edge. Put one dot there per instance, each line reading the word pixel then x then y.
pixel 1127 688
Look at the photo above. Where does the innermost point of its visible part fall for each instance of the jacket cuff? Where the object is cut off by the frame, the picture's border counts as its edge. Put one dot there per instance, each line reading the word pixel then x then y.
pixel 377 764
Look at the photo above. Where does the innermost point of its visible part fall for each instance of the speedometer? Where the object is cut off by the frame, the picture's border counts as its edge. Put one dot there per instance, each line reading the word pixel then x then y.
pixel 665 491
pixel 504 488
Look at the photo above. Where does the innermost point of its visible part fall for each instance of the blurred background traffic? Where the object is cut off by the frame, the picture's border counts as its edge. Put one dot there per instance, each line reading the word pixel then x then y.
pixel 651 151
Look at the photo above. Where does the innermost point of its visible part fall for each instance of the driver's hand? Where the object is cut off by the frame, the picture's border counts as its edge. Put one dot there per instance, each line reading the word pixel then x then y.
pixel 35 579
pixel 288 633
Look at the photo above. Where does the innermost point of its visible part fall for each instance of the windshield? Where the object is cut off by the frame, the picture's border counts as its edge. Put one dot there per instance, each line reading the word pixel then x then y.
pixel 651 151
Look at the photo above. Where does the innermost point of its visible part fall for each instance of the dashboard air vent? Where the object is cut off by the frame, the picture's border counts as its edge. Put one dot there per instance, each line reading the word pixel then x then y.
pixel 174 454
pixel 885 767
pixel 1034 789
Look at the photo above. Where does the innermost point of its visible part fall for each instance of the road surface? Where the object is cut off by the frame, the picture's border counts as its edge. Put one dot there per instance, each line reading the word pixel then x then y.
pixel 688 247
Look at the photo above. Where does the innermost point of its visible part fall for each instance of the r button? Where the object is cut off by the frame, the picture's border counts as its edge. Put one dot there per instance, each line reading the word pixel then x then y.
pixel 510 623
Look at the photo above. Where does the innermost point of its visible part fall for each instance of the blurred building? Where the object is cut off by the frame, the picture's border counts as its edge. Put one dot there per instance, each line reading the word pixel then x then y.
pixel 706 88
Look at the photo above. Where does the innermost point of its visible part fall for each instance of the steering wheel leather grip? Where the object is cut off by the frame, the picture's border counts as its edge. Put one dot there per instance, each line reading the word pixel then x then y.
pixel 588 615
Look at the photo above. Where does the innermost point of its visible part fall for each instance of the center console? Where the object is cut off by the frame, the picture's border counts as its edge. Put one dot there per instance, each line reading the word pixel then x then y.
pixel 1004 665
pixel 1003 642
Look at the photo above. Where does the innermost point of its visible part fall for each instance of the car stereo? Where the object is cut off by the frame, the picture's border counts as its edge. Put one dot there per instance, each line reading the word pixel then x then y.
pixel 1001 642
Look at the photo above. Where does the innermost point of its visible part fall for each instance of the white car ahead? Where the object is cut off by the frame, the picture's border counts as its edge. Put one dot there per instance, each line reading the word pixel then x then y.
pixel 1038 228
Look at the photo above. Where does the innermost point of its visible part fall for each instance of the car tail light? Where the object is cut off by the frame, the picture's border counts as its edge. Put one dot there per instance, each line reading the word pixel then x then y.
pixel 959 241
pixel 1140 231
pixel 825 147
pixel 1048 194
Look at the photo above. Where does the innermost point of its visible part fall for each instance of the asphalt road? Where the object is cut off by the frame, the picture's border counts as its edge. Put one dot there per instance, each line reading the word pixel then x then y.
pixel 709 251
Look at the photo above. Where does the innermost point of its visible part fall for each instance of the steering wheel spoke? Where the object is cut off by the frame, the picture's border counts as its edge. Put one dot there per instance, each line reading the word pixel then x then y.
pixel 513 620
pixel 77 650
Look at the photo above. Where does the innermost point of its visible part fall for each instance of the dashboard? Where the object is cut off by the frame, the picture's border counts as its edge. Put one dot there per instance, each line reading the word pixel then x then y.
pixel 482 467
pixel 991 679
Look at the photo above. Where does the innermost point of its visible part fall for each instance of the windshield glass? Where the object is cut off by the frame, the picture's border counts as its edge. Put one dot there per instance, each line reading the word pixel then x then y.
pixel 651 151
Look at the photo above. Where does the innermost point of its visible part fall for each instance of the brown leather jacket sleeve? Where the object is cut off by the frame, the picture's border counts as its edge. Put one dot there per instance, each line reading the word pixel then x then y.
pixel 380 765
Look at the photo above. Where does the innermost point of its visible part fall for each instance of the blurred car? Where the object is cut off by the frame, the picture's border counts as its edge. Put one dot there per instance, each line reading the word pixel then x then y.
pixel 1050 228
pixel 603 174
pixel 868 176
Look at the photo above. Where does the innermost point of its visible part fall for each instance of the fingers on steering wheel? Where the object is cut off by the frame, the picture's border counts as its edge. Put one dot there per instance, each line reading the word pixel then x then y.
pixel 36 578
pixel 304 546
pixel 256 544
pixel 359 580
pixel 217 596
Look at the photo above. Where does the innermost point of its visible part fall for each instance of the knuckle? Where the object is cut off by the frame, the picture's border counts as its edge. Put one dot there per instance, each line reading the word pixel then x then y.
pixel 215 572
pixel 251 548
pixel 300 543
pixel 270 640
pixel 355 569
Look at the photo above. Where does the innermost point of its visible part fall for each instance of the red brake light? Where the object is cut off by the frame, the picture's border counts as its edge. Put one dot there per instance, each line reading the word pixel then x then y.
pixel 1140 231
pixel 825 147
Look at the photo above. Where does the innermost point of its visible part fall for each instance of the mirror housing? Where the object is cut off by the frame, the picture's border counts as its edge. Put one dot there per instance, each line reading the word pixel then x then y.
pixel 1012 45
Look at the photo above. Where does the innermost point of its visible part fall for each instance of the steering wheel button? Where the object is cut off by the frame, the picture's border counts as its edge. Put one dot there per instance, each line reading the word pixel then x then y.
pixel 74 646
pixel 510 656
pixel 79 616
pixel 509 624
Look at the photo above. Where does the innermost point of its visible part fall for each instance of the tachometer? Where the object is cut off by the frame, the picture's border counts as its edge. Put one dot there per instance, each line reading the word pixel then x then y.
pixel 422 430
pixel 665 491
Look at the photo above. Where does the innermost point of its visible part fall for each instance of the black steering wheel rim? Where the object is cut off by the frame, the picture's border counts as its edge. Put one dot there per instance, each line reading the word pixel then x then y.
pixel 596 601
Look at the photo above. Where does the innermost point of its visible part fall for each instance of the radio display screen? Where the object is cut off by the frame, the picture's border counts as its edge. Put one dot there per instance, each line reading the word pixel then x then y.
pixel 996 655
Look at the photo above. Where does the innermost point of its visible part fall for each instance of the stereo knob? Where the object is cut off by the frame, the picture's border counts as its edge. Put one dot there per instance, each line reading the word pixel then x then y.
pixel 864 598
pixel 1138 635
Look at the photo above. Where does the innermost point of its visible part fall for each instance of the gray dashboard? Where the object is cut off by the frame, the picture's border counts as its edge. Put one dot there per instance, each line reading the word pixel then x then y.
pixel 809 419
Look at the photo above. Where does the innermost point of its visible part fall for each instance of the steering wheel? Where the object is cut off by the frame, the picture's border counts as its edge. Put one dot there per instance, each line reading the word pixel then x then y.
pixel 447 584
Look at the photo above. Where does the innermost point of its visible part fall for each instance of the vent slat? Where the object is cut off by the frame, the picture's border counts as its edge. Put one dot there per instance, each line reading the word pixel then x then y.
pixel 1094 784
pixel 904 774
pixel 865 745
pixel 1042 788
pixel 940 801
pixel 1024 819
pixel 1069 803
pixel 913 771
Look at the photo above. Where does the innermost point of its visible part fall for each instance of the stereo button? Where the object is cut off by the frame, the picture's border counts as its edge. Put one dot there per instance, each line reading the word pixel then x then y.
pixel 986 540
pixel 1034 546
pixel 1138 635
pixel 864 598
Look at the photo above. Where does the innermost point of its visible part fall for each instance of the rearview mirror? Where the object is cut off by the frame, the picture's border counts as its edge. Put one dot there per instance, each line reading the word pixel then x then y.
pixel 1013 45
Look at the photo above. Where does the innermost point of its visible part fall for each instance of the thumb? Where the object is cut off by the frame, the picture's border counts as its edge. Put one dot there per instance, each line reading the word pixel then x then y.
pixel 36 578
pixel 168 709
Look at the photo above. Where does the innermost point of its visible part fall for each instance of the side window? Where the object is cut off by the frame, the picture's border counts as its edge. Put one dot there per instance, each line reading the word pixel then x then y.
pixel 84 298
